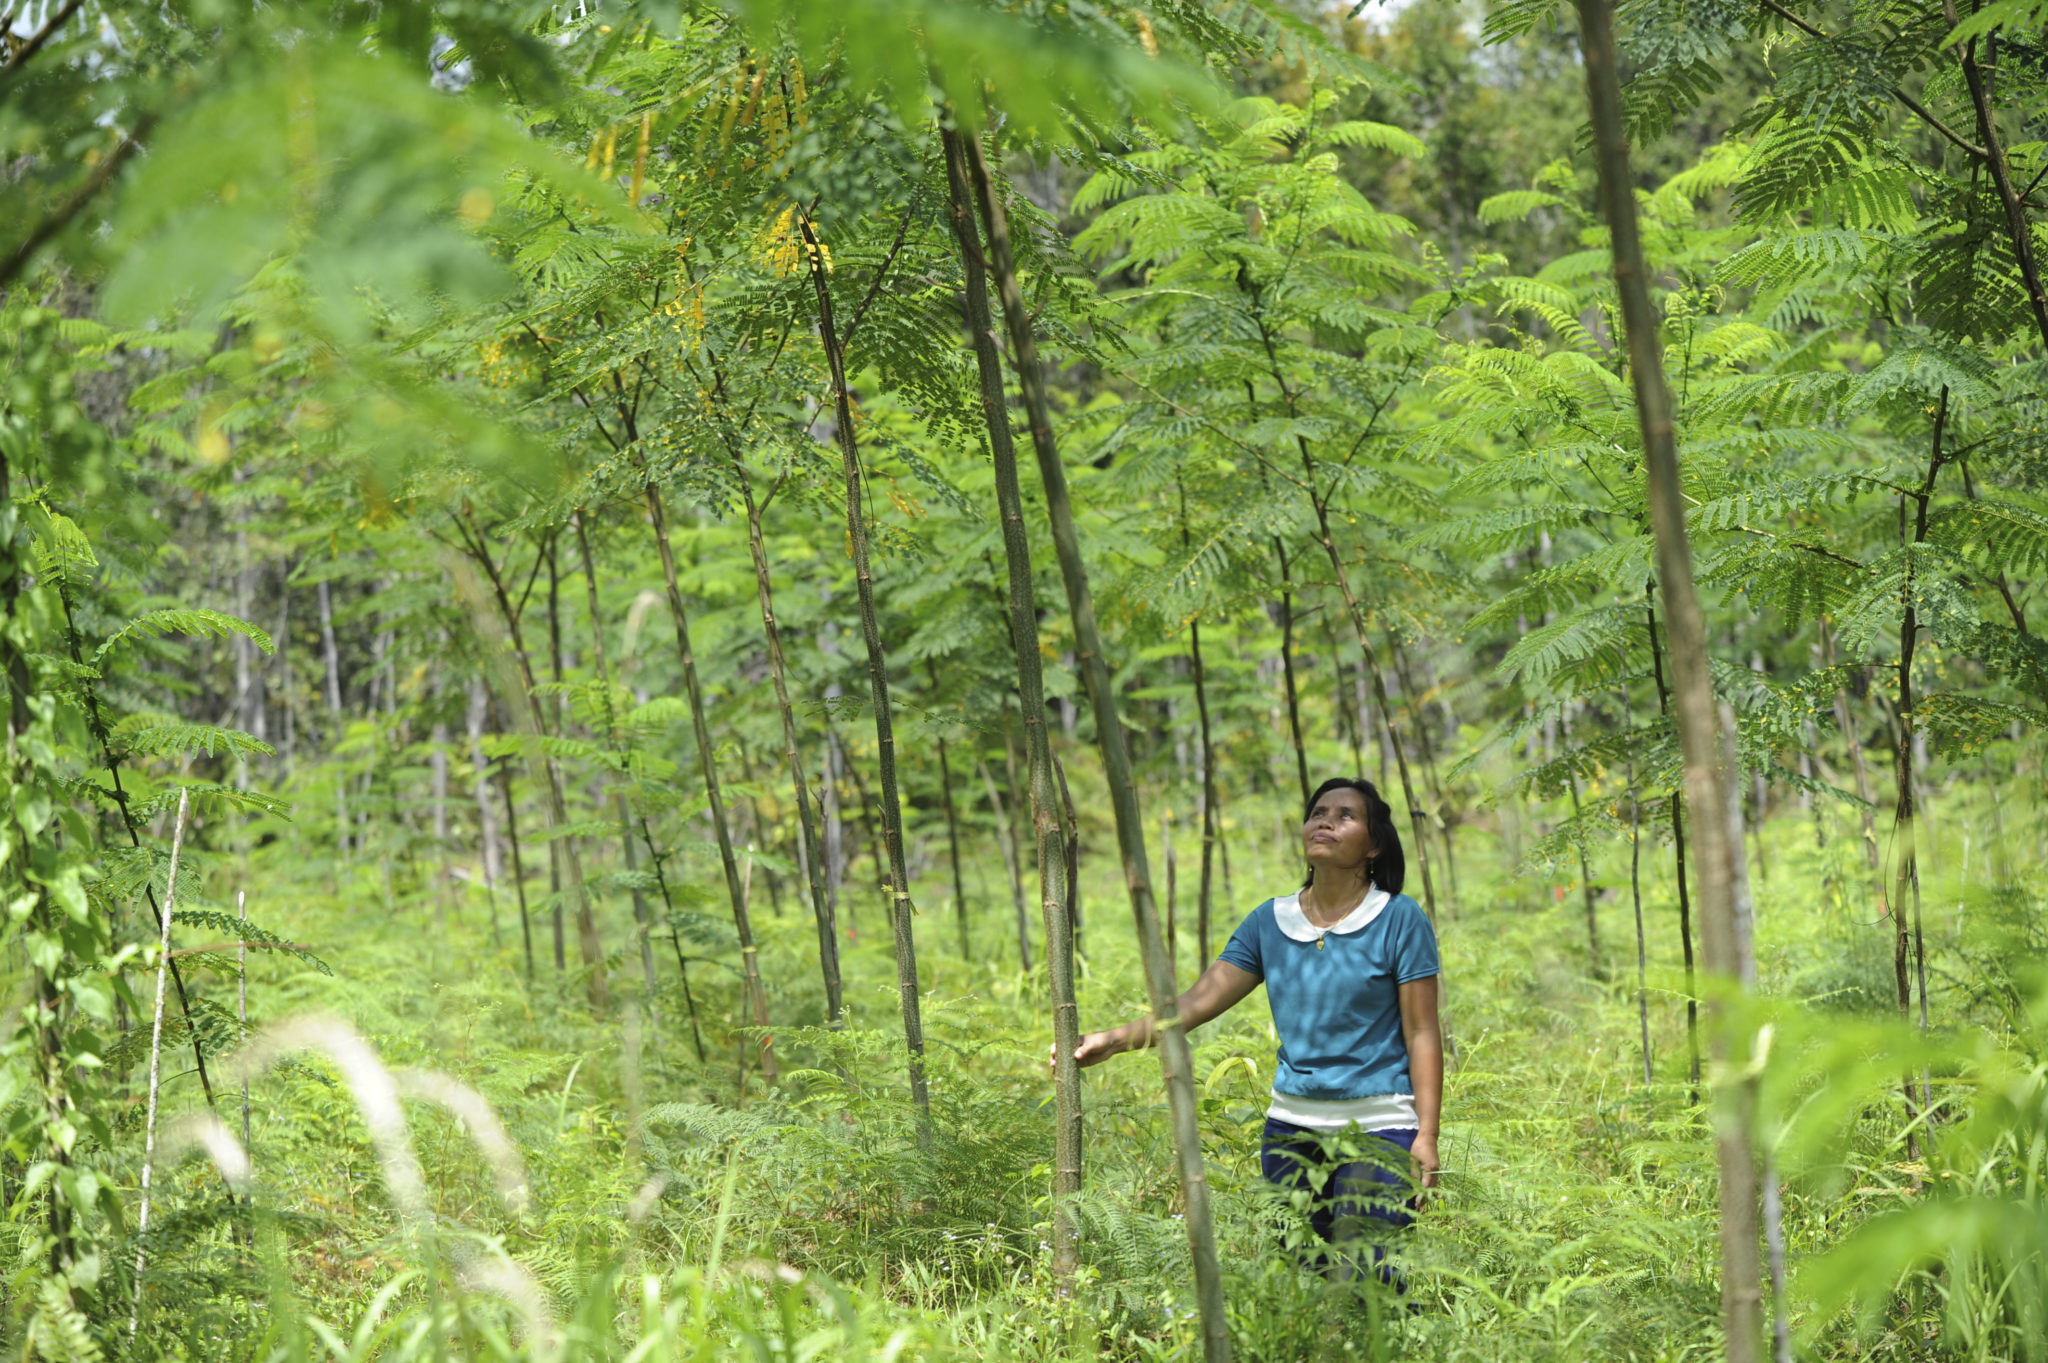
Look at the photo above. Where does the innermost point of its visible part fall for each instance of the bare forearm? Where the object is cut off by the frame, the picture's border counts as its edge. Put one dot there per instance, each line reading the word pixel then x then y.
pixel 1221 987
pixel 1426 1069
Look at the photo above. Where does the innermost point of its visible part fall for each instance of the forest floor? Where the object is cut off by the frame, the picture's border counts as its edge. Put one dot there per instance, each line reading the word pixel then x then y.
pixel 1576 1219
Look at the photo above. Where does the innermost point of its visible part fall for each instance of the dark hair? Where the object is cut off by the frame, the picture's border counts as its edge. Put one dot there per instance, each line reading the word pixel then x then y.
pixel 1388 866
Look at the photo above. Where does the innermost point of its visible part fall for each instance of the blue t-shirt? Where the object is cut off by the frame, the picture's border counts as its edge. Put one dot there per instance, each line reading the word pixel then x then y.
pixel 1337 1007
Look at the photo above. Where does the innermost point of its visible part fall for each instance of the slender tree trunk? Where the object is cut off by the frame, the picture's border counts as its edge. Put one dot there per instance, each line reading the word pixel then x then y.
pixel 332 656
pixel 525 712
pixel 707 766
pixel 2019 233
pixel 1692 1000
pixel 878 683
pixel 810 855
pixel 1287 668
pixel 486 816
pixel 1635 889
pixel 1167 860
pixel 1176 1062
pixel 1018 795
pixel 1446 817
pixel 1006 839
pixel 642 924
pixel 834 820
pixel 877 852
pixel 1073 856
pixel 1055 868
pixel 1850 739
pixel 1709 765
pixel 518 866
pixel 552 709
pixel 953 851
pixel 1585 874
pixel 1417 817
pixel 1346 704
pixel 1909 945
pixel 1205 902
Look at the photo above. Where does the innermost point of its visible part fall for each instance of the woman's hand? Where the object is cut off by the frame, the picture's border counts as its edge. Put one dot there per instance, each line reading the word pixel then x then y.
pixel 1423 1163
pixel 1096 1047
pixel 1220 989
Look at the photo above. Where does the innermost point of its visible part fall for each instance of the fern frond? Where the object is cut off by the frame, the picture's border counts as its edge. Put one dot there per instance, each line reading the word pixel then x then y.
pixel 170 620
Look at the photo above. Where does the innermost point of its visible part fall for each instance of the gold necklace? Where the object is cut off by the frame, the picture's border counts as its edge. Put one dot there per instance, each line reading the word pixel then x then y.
pixel 1323 930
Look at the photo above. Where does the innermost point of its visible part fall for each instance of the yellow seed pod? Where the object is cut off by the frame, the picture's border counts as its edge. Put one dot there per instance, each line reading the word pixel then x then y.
pixel 732 114
pixel 753 99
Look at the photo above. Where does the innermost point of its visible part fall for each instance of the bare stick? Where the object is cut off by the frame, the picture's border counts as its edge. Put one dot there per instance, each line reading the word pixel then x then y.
pixel 156 1055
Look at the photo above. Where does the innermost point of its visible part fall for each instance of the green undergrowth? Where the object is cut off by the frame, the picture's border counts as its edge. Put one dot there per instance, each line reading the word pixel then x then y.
pixel 679 1209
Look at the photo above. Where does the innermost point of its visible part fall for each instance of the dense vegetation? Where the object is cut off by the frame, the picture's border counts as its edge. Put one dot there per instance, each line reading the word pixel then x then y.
pixel 563 777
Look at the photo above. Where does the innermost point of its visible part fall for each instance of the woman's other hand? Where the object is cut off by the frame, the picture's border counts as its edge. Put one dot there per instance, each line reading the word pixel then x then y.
pixel 1423 1162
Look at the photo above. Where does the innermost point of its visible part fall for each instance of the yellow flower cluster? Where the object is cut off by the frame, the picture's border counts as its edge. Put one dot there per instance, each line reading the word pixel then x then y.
pixel 783 250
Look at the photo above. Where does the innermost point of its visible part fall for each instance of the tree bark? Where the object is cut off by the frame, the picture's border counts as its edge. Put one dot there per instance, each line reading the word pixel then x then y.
pixel 1006 841
pixel 332 657
pixel 810 855
pixel 1692 998
pixel 1708 753
pixel 1073 855
pixel 1205 900
pixel 545 772
pixel 518 866
pixel 1176 1062
pixel 486 816
pixel 643 926
pixel 707 766
pixel 1287 669
pixel 953 849
pixel 1054 868
pixel 1635 889
pixel 2018 231
pixel 1909 946
pixel 878 684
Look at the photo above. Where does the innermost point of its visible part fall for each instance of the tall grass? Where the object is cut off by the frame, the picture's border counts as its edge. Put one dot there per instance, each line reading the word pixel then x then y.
pixel 487 1173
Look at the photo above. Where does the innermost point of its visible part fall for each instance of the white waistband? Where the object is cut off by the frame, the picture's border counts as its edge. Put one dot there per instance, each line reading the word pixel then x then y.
pixel 1380 1112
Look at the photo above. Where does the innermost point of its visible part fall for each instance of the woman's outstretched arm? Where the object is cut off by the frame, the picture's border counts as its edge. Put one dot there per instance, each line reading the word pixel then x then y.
pixel 1222 987
pixel 1424 1035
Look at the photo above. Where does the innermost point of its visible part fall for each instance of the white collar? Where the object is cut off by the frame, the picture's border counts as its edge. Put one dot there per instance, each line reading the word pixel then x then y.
pixel 1294 923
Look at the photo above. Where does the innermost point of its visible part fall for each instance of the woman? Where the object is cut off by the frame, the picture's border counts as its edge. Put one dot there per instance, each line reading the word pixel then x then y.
pixel 1350 969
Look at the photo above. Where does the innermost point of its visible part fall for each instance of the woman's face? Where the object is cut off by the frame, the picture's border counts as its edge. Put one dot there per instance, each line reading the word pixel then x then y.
pixel 1335 835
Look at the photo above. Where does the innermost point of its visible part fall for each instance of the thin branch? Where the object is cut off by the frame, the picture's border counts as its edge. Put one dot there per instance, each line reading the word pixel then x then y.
pixel 1809 548
pixel 875 287
pixel 1924 114
pixel 18 260
pixel 42 35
